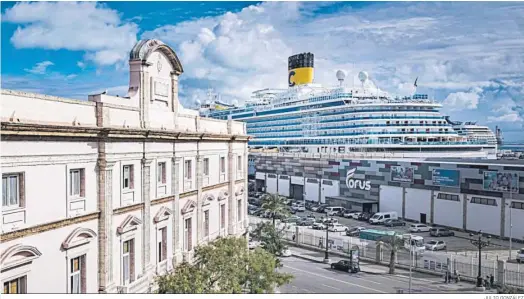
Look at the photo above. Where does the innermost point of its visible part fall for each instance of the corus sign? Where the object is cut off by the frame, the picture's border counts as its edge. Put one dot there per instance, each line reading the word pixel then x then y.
pixel 356 183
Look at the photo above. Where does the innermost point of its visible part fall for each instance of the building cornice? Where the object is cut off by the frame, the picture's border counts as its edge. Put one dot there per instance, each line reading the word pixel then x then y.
pixel 28 129
pixel 6 237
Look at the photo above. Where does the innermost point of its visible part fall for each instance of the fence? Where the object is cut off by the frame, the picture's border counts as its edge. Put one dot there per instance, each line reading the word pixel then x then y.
pixel 466 266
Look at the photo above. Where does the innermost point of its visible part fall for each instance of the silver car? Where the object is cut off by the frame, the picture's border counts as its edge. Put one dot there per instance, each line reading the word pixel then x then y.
pixel 436 245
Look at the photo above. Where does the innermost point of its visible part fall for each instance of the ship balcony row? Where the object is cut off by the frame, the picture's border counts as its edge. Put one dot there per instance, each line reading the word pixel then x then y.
pixel 342 134
pixel 348 141
pixel 340 111
pixel 321 127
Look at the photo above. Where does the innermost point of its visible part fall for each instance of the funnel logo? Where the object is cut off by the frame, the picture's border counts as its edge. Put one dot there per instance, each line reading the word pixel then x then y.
pixel 356 183
pixel 291 83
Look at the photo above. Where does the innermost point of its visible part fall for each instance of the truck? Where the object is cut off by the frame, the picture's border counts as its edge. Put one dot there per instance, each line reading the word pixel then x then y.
pixel 417 243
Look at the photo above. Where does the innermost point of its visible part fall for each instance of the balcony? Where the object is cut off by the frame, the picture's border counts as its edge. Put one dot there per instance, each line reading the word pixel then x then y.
pixel 139 286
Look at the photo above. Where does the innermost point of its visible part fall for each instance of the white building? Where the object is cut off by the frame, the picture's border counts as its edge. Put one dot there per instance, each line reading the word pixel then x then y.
pixel 102 195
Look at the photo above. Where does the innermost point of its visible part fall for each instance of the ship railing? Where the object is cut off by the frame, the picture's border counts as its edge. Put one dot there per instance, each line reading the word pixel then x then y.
pixel 370 155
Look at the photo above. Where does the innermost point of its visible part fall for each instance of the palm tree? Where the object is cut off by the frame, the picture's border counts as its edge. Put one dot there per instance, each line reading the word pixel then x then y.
pixel 275 205
pixel 394 243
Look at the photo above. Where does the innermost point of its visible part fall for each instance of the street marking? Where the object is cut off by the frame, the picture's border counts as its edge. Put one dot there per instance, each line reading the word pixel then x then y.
pixel 307 291
pixel 399 280
pixel 422 279
pixel 334 279
pixel 331 287
pixel 367 280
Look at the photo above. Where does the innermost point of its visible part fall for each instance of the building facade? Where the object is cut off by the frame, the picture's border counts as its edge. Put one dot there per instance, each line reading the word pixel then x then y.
pixel 486 195
pixel 103 195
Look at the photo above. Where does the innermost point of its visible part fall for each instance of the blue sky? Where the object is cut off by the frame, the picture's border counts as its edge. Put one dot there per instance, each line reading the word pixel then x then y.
pixel 468 55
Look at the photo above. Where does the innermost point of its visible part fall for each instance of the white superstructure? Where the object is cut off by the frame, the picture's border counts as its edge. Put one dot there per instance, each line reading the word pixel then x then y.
pixel 359 119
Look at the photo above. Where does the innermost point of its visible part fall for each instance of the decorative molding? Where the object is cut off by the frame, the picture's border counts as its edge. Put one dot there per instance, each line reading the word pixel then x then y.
pixel 207 199
pixel 188 194
pixel 130 208
pixel 189 207
pixel 162 200
pixel 33 160
pixel 224 194
pixel 130 223
pixel 241 181
pixel 74 239
pixel 207 188
pixel 36 129
pixel 23 253
pixel 162 214
pixel 30 231
pixel 239 191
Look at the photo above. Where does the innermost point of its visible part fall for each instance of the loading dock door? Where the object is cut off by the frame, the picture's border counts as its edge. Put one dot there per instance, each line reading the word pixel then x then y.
pixel 312 190
pixel 297 192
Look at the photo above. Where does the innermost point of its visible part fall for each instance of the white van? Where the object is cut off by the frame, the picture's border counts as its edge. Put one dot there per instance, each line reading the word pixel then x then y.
pixel 380 218
pixel 331 211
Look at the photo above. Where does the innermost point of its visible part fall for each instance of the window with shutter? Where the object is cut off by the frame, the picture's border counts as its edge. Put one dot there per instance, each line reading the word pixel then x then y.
pixel 161 175
pixel 222 216
pixel 162 245
pixel 206 223
pixel 13 191
pixel 128 261
pixel 78 275
pixel 188 235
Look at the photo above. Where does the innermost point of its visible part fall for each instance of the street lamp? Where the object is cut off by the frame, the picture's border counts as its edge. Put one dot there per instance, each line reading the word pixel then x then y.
pixel 326 256
pixel 480 244
pixel 410 260
pixel 510 224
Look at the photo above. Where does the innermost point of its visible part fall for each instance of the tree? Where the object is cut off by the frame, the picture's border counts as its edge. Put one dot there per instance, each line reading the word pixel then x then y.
pixel 225 266
pixel 271 237
pixel 275 205
pixel 394 243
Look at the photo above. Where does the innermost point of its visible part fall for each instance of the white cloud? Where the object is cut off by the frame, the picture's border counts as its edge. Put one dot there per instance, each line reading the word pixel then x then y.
pixel 40 68
pixel 449 47
pixel 78 26
pixel 462 100
pixel 510 117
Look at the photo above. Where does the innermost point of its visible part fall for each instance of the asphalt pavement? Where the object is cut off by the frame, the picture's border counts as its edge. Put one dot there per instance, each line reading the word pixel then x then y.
pixel 314 277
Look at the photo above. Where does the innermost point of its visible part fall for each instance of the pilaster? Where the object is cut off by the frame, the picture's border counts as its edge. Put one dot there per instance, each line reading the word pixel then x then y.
pixel 146 218
pixel 103 230
pixel 432 208
pixel 404 203
pixel 109 220
pixel 503 216
pixel 199 232
pixel 464 211
pixel 245 169
pixel 175 190
pixel 231 204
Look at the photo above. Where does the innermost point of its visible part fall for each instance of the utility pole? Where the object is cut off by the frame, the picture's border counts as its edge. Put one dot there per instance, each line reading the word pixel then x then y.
pixel 510 223
pixel 410 261
pixel 480 244
pixel 326 256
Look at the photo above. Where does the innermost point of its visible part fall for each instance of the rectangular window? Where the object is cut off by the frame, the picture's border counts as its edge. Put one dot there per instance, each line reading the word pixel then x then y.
pixel 77 182
pixel 239 210
pixel 187 169
pixel 222 164
pixel 206 223
pixel 239 163
pixel 16 286
pixel 188 240
pixel 78 275
pixel 446 196
pixel 206 166
pixel 13 190
pixel 161 173
pixel 127 177
pixel 484 201
pixel 128 261
pixel 222 216
pixel 162 245
pixel 517 205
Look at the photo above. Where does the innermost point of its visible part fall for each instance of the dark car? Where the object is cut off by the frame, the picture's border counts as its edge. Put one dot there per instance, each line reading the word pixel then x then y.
pixel 440 232
pixel 365 216
pixel 321 208
pixel 306 222
pixel 394 222
pixel 344 265
pixel 354 232
pixel 341 212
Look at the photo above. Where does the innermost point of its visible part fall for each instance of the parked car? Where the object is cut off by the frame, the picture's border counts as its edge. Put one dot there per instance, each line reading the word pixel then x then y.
pixel 319 226
pixel 258 212
pixel 436 245
pixel 380 218
pixel 365 216
pixel 355 232
pixel 292 219
pixel 332 211
pixel 416 228
pixel 337 228
pixel 394 222
pixel 285 253
pixel 344 265
pixel 253 244
pixel 321 208
pixel 349 214
pixel 299 208
pixel 341 213
pixel 329 220
pixel 520 255
pixel 440 232
pixel 306 221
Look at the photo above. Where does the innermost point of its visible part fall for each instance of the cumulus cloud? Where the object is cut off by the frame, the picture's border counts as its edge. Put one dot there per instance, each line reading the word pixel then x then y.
pixel 79 26
pixel 40 68
pixel 446 45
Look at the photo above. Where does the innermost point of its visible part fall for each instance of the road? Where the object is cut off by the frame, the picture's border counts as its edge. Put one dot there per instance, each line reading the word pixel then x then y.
pixel 312 277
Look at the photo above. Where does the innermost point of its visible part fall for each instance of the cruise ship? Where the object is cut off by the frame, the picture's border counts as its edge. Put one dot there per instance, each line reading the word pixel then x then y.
pixel 311 118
